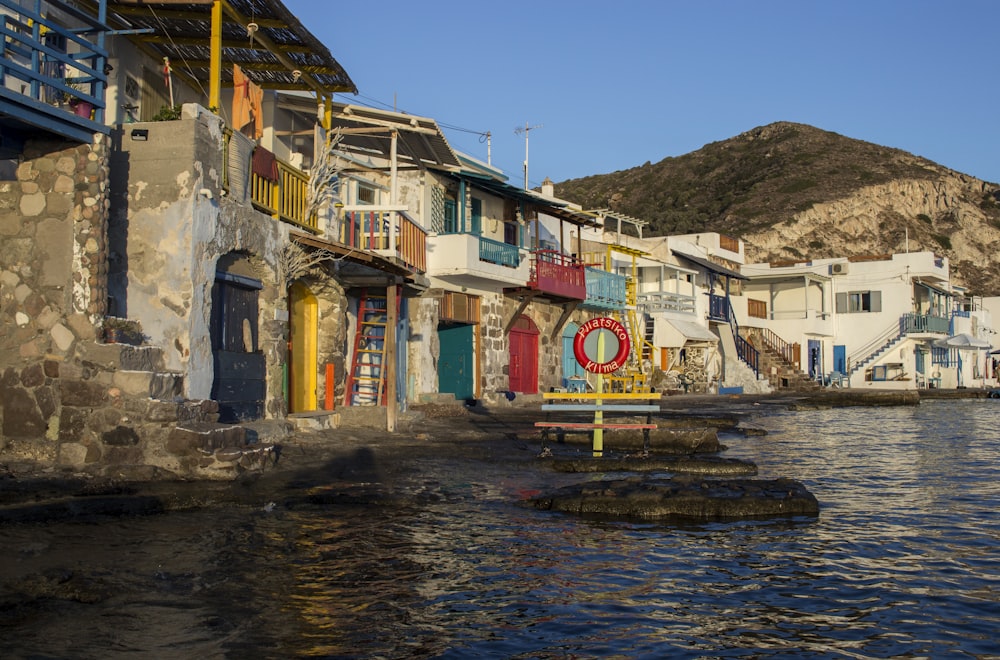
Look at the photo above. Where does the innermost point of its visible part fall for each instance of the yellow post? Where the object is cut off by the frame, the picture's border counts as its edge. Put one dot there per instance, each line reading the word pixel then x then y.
pixel 599 414
pixel 215 59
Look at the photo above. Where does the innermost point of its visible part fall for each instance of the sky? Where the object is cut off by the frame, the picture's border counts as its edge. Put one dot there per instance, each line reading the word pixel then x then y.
pixel 606 86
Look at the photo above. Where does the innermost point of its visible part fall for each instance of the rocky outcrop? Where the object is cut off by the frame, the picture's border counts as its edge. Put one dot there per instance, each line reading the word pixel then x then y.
pixel 944 215
pixel 688 497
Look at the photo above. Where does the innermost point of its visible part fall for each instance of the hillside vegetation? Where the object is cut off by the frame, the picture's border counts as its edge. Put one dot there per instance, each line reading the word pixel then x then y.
pixel 792 191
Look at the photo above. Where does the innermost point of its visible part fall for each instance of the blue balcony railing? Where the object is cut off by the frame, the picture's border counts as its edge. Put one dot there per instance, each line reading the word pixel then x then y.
pixel 605 291
pixel 52 73
pixel 909 323
pixel 502 254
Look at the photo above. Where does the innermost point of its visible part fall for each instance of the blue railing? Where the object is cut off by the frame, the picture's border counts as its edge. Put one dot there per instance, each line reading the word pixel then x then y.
pixel 604 290
pixel 41 82
pixel 718 308
pixel 502 254
pixel 922 323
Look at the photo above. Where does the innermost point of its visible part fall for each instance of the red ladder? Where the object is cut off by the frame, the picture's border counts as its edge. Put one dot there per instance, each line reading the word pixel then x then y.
pixel 366 377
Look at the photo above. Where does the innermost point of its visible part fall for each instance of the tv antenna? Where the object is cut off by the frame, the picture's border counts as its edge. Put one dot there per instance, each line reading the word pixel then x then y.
pixel 527 129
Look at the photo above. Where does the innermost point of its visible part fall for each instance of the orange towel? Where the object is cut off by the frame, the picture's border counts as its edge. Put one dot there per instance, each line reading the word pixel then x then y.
pixel 248 101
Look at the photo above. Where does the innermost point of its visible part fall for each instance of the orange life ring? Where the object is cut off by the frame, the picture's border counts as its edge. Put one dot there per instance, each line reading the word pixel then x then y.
pixel 591 364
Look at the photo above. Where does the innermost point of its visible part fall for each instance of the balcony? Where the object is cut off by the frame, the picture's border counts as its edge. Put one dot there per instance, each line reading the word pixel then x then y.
pixel 52 75
pixel 471 260
pixel 390 233
pixel 923 324
pixel 557 276
pixel 605 291
pixel 718 308
pixel 665 301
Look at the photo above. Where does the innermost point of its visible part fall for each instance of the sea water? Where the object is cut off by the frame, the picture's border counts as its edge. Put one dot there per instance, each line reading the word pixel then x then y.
pixel 903 561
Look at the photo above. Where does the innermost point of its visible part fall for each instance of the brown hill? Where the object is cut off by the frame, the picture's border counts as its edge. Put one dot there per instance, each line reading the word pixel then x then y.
pixel 792 191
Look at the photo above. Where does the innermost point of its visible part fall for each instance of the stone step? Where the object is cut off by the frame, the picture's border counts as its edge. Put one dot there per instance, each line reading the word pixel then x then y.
pixel 317 420
pixel 163 385
pixel 123 356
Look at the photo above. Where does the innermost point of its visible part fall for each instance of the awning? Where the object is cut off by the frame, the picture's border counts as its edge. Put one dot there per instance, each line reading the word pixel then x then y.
pixel 674 333
pixel 711 266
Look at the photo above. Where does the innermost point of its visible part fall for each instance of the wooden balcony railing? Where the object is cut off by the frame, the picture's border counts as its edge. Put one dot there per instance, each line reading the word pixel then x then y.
pixel 556 273
pixel 375 231
pixel 502 254
pixel 285 198
pixel 59 90
pixel 729 243
pixel 605 291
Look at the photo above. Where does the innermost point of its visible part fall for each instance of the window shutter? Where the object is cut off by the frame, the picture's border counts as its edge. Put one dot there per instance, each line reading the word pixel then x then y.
pixel 841 303
pixel 876 301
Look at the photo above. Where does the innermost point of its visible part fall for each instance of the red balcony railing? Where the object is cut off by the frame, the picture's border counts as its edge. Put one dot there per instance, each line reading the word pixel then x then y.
pixel 374 231
pixel 558 274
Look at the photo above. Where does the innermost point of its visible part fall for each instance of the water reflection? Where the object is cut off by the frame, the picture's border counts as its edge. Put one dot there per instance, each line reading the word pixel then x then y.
pixel 903 560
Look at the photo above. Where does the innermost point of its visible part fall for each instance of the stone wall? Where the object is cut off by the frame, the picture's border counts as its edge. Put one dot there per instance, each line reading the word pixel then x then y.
pixel 53 210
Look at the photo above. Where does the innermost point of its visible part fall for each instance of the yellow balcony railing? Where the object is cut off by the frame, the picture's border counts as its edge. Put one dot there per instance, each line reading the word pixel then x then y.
pixel 282 197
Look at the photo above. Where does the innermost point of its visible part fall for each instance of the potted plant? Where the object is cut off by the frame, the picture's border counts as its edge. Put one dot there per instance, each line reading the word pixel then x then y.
pixel 168 113
pixel 117 330
pixel 80 107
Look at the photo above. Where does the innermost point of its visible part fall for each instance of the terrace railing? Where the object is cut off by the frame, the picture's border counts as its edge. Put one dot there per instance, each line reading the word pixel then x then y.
pixel 556 273
pixel 387 232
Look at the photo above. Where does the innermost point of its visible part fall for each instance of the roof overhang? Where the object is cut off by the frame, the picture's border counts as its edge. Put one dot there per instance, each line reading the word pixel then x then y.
pixel 675 333
pixel 367 132
pixel 263 37
pixel 711 266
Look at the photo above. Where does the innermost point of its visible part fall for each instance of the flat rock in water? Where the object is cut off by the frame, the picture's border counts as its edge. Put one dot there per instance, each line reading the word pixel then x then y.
pixel 713 465
pixel 639 498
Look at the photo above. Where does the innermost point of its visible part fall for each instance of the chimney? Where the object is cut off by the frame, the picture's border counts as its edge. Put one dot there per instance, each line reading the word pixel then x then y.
pixel 548 188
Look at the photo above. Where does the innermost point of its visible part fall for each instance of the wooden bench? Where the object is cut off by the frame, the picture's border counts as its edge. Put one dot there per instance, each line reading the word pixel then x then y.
pixel 595 403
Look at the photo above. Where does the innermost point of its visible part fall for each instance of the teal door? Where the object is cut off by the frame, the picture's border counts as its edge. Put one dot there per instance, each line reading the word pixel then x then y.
pixel 570 367
pixel 456 365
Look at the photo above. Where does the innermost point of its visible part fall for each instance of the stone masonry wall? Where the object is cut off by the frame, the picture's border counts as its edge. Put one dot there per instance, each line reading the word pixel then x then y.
pixel 53 281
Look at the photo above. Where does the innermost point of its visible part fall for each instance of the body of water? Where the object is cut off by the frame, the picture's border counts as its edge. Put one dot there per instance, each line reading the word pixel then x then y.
pixel 903 561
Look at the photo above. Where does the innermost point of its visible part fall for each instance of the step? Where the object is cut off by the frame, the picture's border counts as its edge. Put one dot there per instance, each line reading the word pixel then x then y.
pixel 163 385
pixel 317 420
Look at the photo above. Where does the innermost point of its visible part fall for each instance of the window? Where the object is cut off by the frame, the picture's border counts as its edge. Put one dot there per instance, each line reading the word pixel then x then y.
pixel 859 301
pixel 366 194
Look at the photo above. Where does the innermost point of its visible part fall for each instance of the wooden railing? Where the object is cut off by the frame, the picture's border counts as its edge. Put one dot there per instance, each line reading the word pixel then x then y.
pixel 792 353
pixel 604 290
pixel 373 230
pixel 729 243
pixel 502 254
pixel 55 90
pixel 559 274
pixel 284 199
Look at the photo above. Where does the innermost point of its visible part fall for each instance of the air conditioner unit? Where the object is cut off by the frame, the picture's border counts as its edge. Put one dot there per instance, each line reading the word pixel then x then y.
pixel 839 268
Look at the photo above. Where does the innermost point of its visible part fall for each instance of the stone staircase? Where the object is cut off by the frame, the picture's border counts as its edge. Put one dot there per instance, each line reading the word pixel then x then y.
pixel 782 374
pixel 137 418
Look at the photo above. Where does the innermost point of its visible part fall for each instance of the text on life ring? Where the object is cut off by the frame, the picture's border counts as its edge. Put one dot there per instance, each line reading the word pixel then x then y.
pixel 589 362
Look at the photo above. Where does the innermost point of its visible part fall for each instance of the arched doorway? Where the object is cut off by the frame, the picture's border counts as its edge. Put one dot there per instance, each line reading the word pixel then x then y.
pixel 304 308
pixel 239 384
pixel 571 368
pixel 523 348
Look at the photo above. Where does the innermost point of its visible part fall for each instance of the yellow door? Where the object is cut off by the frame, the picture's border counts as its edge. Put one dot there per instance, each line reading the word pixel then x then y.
pixel 302 376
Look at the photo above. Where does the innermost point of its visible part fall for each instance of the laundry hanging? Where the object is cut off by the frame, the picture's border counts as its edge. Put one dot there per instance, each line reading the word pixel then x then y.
pixel 248 101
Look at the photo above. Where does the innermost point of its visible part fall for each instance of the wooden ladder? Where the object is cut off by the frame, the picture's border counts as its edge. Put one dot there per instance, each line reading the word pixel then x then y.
pixel 366 378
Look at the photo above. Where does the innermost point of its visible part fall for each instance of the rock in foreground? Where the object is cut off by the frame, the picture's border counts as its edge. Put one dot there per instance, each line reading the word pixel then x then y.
pixel 683 497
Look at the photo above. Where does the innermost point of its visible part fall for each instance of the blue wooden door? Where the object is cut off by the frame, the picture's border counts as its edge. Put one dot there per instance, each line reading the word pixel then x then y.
pixel 455 364
pixel 840 359
pixel 815 358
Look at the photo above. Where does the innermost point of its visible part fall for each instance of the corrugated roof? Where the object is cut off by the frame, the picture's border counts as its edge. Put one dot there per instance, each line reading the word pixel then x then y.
pixel 711 266
pixel 280 46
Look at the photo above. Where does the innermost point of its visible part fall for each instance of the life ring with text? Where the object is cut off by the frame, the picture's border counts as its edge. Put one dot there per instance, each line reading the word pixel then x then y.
pixel 590 363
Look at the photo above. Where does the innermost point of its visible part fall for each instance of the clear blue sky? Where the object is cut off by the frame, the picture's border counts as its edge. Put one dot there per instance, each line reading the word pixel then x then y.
pixel 615 84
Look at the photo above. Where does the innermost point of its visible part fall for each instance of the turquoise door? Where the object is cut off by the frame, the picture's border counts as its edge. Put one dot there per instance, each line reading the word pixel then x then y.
pixel 570 366
pixel 477 216
pixel 455 365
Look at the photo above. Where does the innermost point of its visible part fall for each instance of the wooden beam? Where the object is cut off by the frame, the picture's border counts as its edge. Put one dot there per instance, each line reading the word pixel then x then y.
pixel 568 309
pixel 391 407
pixel 525 301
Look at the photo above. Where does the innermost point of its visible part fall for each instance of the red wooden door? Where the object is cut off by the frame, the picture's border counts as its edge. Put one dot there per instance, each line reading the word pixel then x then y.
pixel 523 366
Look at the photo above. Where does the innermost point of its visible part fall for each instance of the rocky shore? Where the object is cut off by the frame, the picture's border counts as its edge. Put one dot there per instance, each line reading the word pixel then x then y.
pixel 680 473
